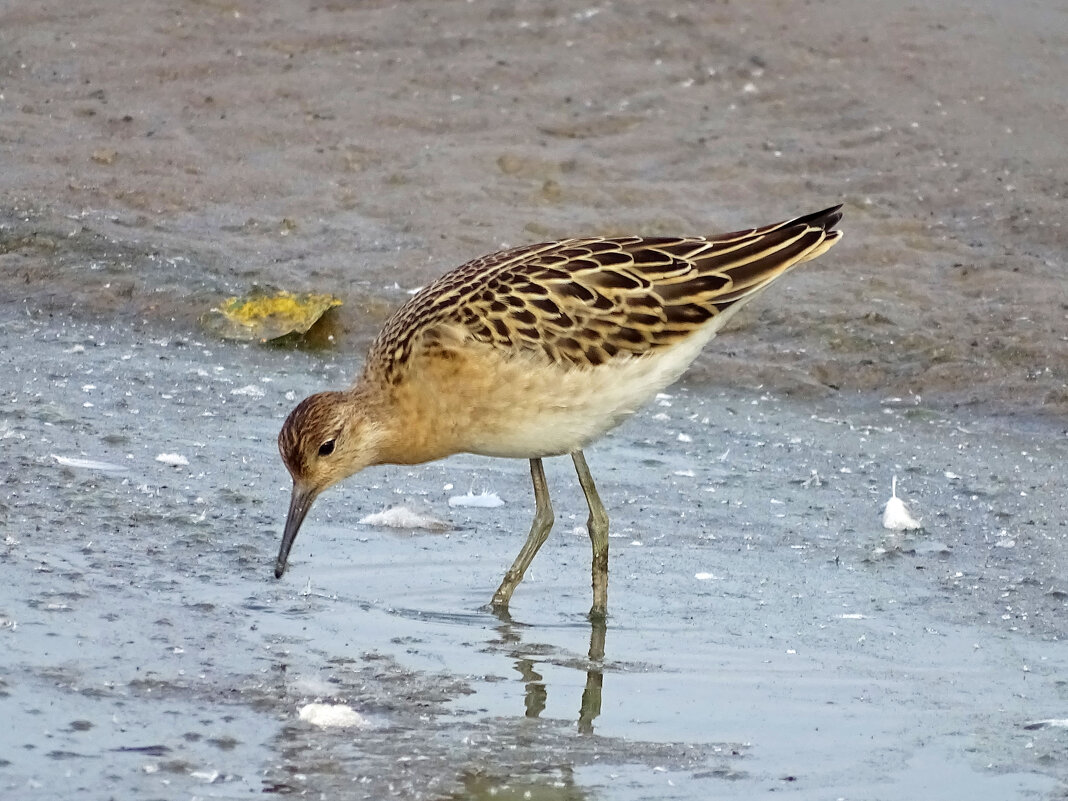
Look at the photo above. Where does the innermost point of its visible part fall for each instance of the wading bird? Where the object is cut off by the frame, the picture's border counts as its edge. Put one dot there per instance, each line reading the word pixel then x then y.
pixel 534 352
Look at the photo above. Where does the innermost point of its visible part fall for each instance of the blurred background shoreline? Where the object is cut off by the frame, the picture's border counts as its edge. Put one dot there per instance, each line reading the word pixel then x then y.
pixel 162 157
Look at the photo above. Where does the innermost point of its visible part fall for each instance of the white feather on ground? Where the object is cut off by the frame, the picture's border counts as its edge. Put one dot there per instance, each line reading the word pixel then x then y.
pixel 896 515
pixel 402 517
pixel 89 464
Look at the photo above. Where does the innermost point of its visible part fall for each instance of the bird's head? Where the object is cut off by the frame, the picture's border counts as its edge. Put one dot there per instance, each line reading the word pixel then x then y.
pixel 327 437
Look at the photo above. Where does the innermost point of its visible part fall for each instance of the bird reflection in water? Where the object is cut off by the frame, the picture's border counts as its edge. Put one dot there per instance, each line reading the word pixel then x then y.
pixel 536 694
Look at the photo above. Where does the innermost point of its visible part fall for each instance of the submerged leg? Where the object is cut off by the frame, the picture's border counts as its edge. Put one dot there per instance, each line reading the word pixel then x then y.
pixel 539 531
pixel 598 528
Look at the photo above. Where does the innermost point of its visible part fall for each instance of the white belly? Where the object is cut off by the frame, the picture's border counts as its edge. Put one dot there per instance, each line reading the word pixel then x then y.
pixel 554 411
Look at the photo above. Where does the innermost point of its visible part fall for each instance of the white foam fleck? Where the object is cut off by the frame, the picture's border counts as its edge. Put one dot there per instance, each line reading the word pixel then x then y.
pixel 173 459
pixel 484 500
pixel 340 716
pixel 251 390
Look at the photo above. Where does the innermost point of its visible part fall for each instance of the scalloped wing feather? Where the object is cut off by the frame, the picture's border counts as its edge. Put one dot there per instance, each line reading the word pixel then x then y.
pixel 583 302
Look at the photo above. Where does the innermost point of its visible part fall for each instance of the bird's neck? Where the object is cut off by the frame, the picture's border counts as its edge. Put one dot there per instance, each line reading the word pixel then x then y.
pixel 409 427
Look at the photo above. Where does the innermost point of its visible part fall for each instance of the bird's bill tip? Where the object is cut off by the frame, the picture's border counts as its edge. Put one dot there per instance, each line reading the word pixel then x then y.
pixel 299 504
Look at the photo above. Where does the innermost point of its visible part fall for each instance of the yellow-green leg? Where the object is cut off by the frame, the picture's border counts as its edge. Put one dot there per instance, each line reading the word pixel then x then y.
pixel 598 528
pixel 539 531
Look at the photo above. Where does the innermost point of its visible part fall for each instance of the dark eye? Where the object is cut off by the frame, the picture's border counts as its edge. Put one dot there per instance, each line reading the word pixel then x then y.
pixel 326 448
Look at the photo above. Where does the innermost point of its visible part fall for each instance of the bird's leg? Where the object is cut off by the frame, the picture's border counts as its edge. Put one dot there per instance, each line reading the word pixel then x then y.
pixel 598 528
pixel 539 531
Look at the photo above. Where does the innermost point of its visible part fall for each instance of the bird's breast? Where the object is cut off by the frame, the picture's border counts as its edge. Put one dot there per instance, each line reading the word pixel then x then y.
pixel 477 398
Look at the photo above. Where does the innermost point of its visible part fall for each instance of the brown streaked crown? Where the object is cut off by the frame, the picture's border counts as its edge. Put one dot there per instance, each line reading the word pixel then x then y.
pixel 316 420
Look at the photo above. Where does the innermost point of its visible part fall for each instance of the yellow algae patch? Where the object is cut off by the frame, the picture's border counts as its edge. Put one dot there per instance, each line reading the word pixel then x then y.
pixel 263 316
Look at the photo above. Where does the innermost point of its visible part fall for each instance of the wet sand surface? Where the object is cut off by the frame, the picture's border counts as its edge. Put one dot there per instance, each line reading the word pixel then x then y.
pixel 766 633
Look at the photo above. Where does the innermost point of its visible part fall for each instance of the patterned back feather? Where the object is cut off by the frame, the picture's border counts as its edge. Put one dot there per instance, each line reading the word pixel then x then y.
pixel 583 302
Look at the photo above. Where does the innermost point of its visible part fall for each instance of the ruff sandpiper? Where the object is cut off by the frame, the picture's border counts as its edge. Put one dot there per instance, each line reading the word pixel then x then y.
pixel 533 352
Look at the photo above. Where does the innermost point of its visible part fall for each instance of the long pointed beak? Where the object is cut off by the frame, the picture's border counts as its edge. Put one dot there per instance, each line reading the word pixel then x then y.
pixel 299 504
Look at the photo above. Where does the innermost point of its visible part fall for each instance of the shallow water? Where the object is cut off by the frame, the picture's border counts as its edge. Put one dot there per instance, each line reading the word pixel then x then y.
pixel 766 633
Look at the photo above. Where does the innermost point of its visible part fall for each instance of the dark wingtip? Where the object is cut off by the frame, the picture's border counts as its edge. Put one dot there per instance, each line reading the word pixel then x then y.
pixel 826 219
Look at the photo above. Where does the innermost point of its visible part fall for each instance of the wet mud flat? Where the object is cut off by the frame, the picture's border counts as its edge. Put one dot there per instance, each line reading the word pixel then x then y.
pixel 766 633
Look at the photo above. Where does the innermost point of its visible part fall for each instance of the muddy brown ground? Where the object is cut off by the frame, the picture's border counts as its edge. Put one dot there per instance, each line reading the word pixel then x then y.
pixel 353 145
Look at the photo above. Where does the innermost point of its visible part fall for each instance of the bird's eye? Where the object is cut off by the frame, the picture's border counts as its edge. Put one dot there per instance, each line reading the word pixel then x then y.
pixel 326 448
